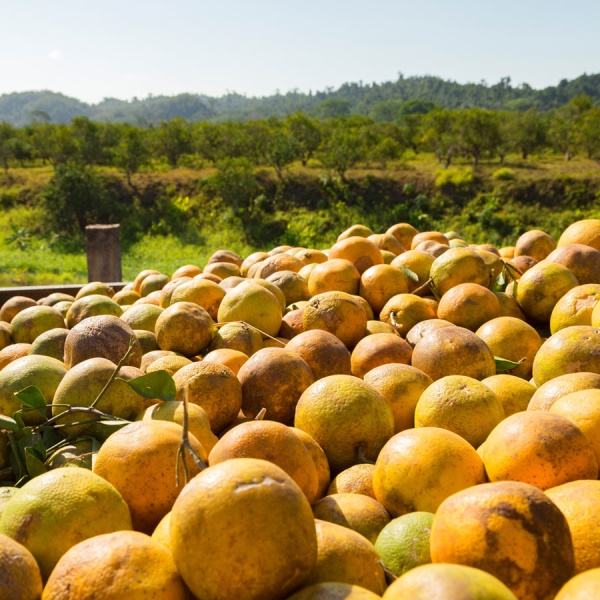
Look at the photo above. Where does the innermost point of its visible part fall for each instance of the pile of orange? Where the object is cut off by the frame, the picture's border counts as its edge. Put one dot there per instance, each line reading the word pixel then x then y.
pixel 400 415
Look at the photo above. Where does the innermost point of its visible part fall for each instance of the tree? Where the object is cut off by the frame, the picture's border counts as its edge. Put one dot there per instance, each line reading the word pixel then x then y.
pixel 280 149
pixel 87 139
pixel 417 106
pixel 7 136
pixel 307 134
pixel 53 143
pixel 479 132
pixel 526 131
pixel 441 134
pixel 173 139
pixel 341 150
pixel 589 135
pixel 132 151
pixel 386 111
pixel 565 126
pixel 333 108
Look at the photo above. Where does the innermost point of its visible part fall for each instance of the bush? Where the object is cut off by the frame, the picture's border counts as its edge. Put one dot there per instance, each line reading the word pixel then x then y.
pixel 504 174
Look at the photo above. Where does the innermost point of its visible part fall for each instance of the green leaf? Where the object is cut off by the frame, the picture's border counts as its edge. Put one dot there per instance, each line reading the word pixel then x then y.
pixel 33 441
pixel 158 385
pixel 8 423
pixel 33 464
pixel 503 364
pixel 31 396
pixel 410 274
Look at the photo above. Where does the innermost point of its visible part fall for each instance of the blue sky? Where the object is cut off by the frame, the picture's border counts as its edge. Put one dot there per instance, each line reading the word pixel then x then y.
pixel 122 49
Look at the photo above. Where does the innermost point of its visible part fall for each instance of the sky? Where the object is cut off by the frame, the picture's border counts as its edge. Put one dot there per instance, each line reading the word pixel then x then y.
pixel 125 49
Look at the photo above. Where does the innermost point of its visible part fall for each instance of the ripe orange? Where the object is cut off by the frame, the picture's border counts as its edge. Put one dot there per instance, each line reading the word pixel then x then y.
pixel 548 393
pixel 585 232
pixel 575 307
pixel 360 251
pixel 404 233
pixel 469 305
pixel 420 264
pixel 330 590
pixel 357 479
pixel 379 283
pixel 584 586
pixel 583 260
pixel 418 468
pixel 20 576
pixel 379 349
pixel 336 274
pixel 535 243
pixel 539 448
pixel 458 265
pixel 404 311
pixel 513 392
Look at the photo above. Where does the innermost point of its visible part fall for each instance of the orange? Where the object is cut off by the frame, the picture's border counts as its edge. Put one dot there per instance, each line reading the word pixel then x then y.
pixel 293 286
pixel 462 405
pixel 13 306
pixel 469 305
pixel 379 283
pixel 166 293
pixel 57 509
pixel 453 351
pixel 357 479
pixel 579 501
pixel 253 304
pixel 358 512
pixel 333 590
pixel 142 316
pixel 423 328
pixel 310 256
pixel 104 336
pixel 345 556
pixel 428 236
pixel 575 307
pixel 5 338
pixel 418 468
pixel 521 265
pixel 153 283
pixel 420 264
pixel 535 243
pixel 20 576
pixel 95 287
pixel 237 336
pixel 140 461
pixel 123 297
pixel 124 564
pixel 585 232
pixel 404 233
pixel 202 292
pixel 507 252
pixel 404 311
pixel 548 393
pixel 509 529
pixel 403 543
pixel 270 441
pixel 186 271
pixel 171 364
pixel 583 409
pixel 347 417
pixel 387 242
pixel 278 262
pixel 584 586
pixel 12 352
pixel 291 324
pixel 222 269
pixel 458 265
pixel 324 353
pixel 355 230
pixel 569 350
pixel 513 392
pixel 378 349
pixel 339 313
pixel 274 379
pixel 31 322
pixel 509 306
pixel 184 327
pixel 336 274
pixel 449 581
pixel 583 260
pixel 360 251
pixel 539 448
pixel 514 340
pixel 402 386
pixel 432 247
pixel 225 256
pixel 137 282
pixel 249 513
pixel 197 420
pixel 541 287
pixel 213 387
pixel 234 359
pixel 319 459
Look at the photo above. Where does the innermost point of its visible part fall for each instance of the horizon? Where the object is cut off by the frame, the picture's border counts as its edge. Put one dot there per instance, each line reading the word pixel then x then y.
pixel 124 51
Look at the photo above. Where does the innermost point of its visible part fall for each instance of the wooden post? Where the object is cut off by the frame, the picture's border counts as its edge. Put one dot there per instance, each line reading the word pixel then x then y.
pixel 103 248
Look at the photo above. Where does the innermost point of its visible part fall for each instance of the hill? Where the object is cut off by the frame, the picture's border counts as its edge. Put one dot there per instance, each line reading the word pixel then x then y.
pixel 381 101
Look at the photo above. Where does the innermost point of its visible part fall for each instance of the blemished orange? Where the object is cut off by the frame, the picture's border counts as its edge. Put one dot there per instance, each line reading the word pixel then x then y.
pixel 332 590
pixel 319 459
pixel 510 529
pixel 249 513
pixel 579 502
pixel 360 251
pixel 123 564
pixel 336 274
pixel 402 386
pixel 423 328
pixel 535 243
pixel 347 417
pixel 420 264
pixel 538 448
pixel 419 468
pixel 140 461
pixel 458 265
pixel 428 236
pixel 379 349
pixel 583 260
pixel 346 556
pixel 358 512
pixel 20 576
pixel 274 442
pixel 514 340
pixel 273 379
pixel 575 307
pixel 513 392
pixel 460 404
pixel 404 233
pixel 469 305
pixel 202 292
pixel 452 582
pixel 354 230
pixel 453 351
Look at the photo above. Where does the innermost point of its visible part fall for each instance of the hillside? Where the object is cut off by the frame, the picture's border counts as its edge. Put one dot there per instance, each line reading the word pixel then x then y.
pixel 378 100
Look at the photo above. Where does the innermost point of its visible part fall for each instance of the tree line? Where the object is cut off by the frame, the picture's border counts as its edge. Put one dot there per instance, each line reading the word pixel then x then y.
pixel 338 143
